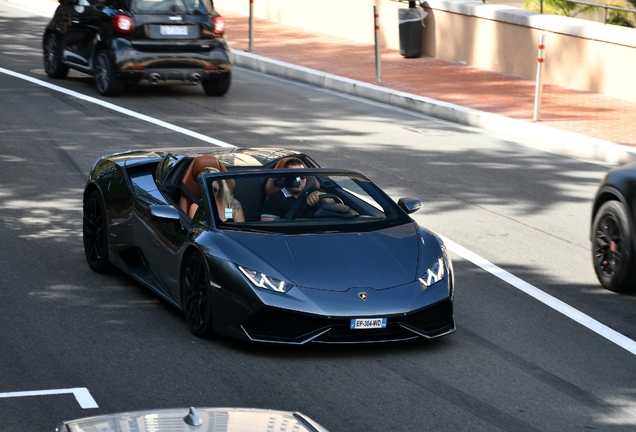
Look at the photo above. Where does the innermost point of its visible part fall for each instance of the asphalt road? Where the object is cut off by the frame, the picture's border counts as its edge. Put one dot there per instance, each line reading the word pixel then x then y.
pixel 514 364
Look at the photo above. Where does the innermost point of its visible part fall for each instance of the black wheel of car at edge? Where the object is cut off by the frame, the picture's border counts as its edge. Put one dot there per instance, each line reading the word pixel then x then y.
pixel 612 249
pixel 197 296
pixel 95 233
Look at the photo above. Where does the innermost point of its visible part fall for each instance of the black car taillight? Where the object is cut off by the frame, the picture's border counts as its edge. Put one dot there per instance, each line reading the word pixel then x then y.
pixel 123 24
pixel 218 25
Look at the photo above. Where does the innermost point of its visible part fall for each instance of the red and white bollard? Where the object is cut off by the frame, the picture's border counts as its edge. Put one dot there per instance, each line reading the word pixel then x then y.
pixel 538 89
pixel 378 69
pixel 251 34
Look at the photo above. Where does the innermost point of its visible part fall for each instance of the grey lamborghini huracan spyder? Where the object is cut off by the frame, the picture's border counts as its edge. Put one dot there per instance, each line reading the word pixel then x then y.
pixel 351 268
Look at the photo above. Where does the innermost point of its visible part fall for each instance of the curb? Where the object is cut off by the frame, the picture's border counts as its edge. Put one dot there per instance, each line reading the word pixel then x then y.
pixel 543 137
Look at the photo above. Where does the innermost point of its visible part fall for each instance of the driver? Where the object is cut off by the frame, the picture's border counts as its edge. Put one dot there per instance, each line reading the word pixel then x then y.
pixel 280 203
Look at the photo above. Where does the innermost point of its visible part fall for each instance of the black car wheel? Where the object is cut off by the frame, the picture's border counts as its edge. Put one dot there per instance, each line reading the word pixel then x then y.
pixel 52 61
pixel 95 233
pixel 612 248
pixel 105 78
pixel 197 296
pixel 217 87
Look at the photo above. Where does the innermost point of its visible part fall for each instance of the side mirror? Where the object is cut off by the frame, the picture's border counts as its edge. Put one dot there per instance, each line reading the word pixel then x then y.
pixel 410 204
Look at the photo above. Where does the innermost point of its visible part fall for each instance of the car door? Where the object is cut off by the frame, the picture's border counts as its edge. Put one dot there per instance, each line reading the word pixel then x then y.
pixel 82 24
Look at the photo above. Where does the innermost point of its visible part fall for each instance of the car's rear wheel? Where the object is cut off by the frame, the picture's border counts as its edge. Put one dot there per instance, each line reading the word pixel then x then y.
pixel 106 80
pixel 197 296
pixel 95 233
pixel 217 87
pixel 52 59
pixel 612 249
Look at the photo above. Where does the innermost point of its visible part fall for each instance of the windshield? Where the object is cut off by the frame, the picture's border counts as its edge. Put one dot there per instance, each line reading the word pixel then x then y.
pixel 298 201
pixel 172 6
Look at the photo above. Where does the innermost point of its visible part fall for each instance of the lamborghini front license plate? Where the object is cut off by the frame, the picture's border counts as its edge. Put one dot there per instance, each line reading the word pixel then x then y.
pixel 368 323
pixel 174 30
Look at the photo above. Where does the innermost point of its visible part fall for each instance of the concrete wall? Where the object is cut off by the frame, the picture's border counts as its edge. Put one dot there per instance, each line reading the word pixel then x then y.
pixel 579 54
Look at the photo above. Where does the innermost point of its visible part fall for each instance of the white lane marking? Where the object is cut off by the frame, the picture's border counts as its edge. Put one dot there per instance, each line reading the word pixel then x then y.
pixel 554 303
pixel 82 395
pixel 545 298
pixel 120 110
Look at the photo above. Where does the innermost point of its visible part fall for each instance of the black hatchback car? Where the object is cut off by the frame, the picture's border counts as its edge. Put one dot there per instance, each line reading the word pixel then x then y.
pixel 119 41
pixel 613 232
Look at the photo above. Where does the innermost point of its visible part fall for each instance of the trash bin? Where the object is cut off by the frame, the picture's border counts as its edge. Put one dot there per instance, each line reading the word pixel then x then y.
pixel 411 21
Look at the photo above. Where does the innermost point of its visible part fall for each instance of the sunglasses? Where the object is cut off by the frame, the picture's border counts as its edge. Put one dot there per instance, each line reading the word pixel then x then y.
pixel 215 189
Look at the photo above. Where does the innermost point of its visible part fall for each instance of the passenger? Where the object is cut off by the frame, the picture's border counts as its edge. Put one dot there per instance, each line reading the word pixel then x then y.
pixel 227 206
pixel 280 203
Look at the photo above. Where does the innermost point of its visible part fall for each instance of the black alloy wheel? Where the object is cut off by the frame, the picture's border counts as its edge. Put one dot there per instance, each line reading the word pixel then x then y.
pixel 105 77
pixel 95 233
pixel 612 248
pixel 197 296
pixel 217 87
pixel 52 61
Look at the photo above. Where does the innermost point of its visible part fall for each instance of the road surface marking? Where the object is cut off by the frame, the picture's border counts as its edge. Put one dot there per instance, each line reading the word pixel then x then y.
pixel 82 395
pixel 118 109
pixel 545 298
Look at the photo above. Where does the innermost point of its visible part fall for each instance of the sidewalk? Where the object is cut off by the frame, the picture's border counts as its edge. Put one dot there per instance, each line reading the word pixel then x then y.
pixel 573 122
pixel 593 115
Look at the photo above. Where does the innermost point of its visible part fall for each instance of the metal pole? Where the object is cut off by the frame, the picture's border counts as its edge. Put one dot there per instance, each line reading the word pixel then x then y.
pixel 538 89
pixel 251 36
pixel 378 69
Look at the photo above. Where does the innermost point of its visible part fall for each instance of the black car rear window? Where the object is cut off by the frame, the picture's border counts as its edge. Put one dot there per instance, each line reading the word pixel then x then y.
pixel 172 6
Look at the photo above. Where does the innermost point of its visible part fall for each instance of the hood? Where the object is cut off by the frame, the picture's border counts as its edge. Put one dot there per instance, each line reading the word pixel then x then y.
pixel 339 261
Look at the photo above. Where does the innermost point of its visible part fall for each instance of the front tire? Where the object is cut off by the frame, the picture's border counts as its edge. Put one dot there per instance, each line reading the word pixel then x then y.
pixel 612 249
pixel 197 296
pixel 217 87
pixel 106 80
pixel 95 233
pixel 52 60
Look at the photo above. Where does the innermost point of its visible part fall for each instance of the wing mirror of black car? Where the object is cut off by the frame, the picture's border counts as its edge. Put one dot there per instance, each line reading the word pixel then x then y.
pixel 410 204
pixel 287 182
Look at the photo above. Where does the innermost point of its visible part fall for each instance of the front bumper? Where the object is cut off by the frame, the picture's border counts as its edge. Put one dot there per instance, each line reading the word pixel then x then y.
pixel 304 314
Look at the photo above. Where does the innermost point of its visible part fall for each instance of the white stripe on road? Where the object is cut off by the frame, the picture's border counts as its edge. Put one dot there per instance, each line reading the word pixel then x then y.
pixel 120 110
pixel 82 395
pixel 556 304
pixel 545 298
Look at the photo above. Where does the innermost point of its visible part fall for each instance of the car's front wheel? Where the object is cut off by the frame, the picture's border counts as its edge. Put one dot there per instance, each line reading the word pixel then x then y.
pixel 95 233
pixel 52 60
pixel 217 87
pixel 612 249
pixel 106 80
pixel 197 296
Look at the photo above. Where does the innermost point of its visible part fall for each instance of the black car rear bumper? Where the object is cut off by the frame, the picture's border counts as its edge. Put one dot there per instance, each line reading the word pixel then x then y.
pixel 194 62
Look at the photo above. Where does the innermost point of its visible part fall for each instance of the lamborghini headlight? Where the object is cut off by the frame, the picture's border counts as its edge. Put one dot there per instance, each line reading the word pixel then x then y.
pixel 434 274
pixel 263 281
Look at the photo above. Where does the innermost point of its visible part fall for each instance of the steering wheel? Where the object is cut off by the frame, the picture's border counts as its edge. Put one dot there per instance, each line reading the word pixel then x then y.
pixel 306 206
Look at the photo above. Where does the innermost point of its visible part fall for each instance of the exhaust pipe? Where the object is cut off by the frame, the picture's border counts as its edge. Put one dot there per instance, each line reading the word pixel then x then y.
pixel 195 78
pixel 154 78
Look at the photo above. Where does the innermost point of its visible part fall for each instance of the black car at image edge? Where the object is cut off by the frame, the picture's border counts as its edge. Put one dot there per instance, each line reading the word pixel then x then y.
pixel 119 41
pixel 613 232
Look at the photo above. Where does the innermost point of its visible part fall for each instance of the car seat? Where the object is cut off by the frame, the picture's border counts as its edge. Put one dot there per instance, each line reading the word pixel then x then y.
pixel 189 179
pixel 270 188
